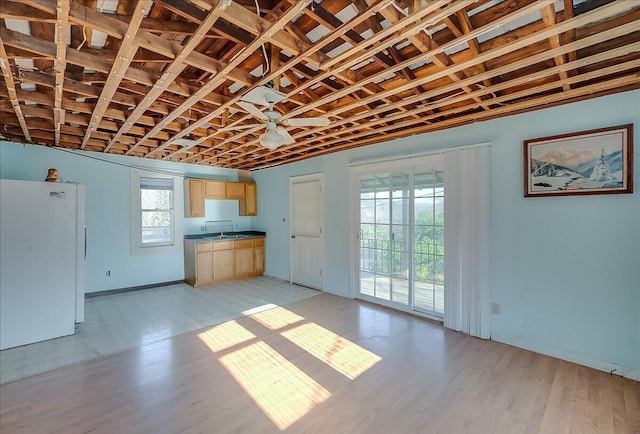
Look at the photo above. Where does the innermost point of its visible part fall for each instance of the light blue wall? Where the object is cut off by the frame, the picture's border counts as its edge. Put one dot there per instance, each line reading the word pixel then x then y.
pixel 566 270
pixel 108 210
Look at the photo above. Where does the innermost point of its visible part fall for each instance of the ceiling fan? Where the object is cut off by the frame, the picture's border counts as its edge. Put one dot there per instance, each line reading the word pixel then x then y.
pixel 275 135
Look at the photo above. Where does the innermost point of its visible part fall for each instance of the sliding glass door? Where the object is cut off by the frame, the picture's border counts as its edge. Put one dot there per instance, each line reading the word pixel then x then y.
pixel 428 242
pixel 400 235
pixel 384 237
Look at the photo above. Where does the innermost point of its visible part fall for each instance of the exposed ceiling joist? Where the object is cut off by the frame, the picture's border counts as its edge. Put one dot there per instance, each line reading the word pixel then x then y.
pixel 167 83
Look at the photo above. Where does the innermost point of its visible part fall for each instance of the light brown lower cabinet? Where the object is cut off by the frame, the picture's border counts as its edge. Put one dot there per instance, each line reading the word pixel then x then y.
pixel 258 256
pixel 211 263
pixel 222 261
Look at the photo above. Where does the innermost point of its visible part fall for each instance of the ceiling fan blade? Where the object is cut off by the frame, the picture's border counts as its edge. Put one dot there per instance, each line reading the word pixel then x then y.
pixel 255 111
pixel 308 122
pixel 285 134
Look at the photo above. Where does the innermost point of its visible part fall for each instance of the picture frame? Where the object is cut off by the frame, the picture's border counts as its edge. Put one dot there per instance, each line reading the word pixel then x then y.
pixel 598 161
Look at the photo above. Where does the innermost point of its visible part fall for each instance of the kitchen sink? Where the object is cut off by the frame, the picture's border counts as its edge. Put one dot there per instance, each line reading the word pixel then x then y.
pixel 224 237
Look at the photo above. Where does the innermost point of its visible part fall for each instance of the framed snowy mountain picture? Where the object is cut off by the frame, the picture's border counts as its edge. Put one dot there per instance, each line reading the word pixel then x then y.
pixel 588 162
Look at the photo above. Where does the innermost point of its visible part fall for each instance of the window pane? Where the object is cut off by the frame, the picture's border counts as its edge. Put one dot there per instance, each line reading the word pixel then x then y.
pixel 156 227
pixel 382 211
pixel 155 199
pixel 400 210
pixel 367 211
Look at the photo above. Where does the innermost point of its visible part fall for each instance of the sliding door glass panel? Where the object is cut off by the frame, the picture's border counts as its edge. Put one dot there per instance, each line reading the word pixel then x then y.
pixel 384 248
pixel 401 251
pixel 428 242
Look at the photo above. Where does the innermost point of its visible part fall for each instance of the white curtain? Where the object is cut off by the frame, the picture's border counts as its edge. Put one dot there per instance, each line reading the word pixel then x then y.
pixel 466 238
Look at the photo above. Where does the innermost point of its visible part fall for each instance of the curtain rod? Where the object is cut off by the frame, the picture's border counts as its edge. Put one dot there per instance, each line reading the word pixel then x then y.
pixel 416 155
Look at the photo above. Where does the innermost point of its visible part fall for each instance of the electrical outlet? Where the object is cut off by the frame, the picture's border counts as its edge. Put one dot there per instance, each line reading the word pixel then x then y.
pixel 108 273
pixel 495 308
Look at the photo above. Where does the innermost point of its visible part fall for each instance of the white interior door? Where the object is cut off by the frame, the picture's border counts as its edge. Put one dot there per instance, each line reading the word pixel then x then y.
pixel 306 205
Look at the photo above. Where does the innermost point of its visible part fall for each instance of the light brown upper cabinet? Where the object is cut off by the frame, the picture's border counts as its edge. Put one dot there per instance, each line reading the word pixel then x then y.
pixel 197 190
pixel 215 190
pixel 194 193
pixel 249 206
pixel 235 190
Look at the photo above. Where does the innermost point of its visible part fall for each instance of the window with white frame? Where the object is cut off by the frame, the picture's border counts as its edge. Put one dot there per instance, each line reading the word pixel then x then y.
pixel 156 211
pixel 155 221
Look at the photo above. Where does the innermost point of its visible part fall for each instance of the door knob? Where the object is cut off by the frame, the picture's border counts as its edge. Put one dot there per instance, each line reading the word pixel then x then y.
pixel 293 236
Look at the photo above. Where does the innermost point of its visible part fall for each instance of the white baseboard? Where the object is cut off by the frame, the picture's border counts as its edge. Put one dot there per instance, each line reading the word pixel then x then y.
pixel 570 357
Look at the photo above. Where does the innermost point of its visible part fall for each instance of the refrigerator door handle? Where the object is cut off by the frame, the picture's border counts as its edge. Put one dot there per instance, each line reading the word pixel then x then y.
pixel 85 242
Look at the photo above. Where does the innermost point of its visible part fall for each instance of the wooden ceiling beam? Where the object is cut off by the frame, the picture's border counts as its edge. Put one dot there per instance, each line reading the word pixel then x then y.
pixel 590 40
pixel 273 74
pixel 440 58
pixel 60 63
pixel 502 100
pixel 186 10
pixel 88 91
pixel 133 74
pixel 530 104
pixel 170 73
pixel 495 89
pixel 17 11
pixel 358 54
pixel 570 35
pixel 474 45
pixel 549 19
pixel 11 88
pixel 70 105
pixel 423 71
pixel 265 36
pixel 604 12
pixel 246 19
pixel 114 27
pixel 126 53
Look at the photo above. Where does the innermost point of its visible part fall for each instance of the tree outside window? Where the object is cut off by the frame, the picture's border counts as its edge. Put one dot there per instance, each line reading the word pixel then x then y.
pixel 156 203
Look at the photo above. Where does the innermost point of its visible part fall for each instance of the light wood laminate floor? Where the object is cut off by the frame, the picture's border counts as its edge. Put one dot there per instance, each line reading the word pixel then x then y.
pixel 323 364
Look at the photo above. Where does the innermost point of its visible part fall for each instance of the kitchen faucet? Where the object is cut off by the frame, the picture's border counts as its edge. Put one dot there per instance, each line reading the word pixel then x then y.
pixel 222 230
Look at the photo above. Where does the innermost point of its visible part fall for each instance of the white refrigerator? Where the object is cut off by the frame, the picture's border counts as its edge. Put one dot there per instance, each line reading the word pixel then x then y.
pixel 42 255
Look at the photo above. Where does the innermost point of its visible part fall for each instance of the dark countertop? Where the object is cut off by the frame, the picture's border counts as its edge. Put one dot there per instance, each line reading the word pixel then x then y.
pixel 228 236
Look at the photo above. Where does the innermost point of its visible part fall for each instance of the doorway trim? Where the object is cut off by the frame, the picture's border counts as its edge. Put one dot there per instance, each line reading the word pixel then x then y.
pixel 299 179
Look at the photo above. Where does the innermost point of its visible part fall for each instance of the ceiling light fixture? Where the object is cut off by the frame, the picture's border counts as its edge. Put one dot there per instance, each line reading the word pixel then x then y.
pixel 271 140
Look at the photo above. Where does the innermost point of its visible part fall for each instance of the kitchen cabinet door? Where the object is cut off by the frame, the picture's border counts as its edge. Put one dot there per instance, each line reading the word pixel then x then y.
pixel 223 265
pixel 258 260
pixel 204 270
pixel 235 190
pixel 194 197
pixel 249 206
pixel 215 190
pixel 243 261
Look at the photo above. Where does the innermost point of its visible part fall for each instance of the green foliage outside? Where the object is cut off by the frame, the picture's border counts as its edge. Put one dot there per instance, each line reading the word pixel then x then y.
pixel 384 248
pixel 156 206
pixel 156 215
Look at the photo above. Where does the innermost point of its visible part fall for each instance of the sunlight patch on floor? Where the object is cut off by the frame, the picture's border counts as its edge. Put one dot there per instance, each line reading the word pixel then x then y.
pixel 276 318
pixel 341 354
pixel 225 335
pixel 278 387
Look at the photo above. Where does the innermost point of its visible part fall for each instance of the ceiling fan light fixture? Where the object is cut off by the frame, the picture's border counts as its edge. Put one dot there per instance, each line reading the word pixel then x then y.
pixel 271 140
